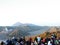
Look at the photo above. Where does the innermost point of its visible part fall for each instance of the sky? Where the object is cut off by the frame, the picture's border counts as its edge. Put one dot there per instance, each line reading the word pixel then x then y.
pixel 39 12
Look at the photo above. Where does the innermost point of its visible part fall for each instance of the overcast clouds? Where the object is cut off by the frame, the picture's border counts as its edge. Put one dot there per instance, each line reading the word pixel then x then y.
pixel 40 12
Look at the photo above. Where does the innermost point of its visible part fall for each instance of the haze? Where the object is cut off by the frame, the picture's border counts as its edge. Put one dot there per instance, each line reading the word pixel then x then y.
pixel 39 12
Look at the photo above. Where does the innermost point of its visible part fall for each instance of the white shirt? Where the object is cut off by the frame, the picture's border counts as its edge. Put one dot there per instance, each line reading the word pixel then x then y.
pixel 49 43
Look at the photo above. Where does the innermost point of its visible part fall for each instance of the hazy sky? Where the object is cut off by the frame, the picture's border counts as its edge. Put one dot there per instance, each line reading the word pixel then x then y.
pixel 40 12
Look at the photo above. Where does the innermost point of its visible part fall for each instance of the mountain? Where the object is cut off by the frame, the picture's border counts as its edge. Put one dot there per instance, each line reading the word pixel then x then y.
pixel 29 27
pixel 18 33
pixel 18 29
pixel 25 24
pixel 28 30
pixel 54 29
pixel 51 31
pixel 17 24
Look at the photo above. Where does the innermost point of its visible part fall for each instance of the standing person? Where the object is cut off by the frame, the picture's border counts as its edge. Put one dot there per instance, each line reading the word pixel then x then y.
pixel 42 43
pixel 18 42
pixel 14 40
pixel 59 40
pixel 43 40
pixel 21 40
pixel 56 42
pixel 9 42
pixel 38 39
pixel 49 43
pixel 21 43
pixel 32 43
pixel 46 40
pixel 2 43
pixel 35 43
pixel 28 42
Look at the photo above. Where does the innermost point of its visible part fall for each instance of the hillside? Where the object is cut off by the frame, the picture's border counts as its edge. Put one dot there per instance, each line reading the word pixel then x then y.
pixel 25 30
pixel 29 30
pixel 18 33
pixel 21 30
pixel 54 29
pixel 48 33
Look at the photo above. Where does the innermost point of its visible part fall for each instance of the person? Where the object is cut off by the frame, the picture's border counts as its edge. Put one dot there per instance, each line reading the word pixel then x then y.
pixel 46 40
pixel 38 39
pixel 59 40
pixel 2 43
pixel 14 40
pixel 9 42
pixel 35 43
pixel 35 39
pixel 43 40
pixel 56 42
pixel 32 43
pixel 42 43
pixel 21 41
pixel 29 41
pixel 17 43
pixel 49 43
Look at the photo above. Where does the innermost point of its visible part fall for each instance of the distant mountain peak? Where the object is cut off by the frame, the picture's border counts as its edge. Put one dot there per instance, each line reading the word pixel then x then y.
pixel 17 24
pixel 25 24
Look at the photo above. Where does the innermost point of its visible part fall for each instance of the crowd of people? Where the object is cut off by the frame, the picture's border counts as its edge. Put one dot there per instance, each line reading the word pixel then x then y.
pixel 53 40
